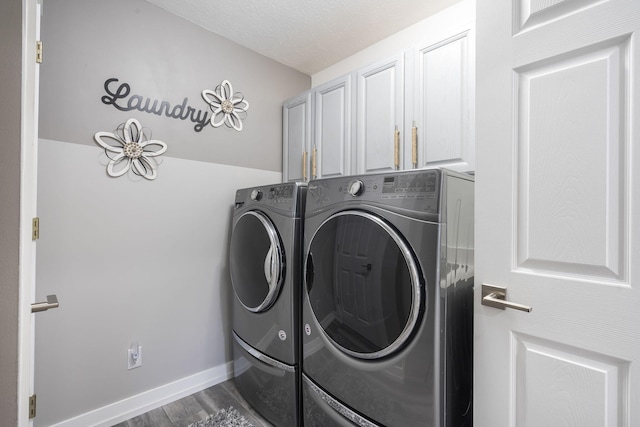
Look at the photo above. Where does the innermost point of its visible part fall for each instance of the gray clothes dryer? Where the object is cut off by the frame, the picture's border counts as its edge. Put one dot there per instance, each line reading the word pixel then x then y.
pixel 387 308
pixel 265 266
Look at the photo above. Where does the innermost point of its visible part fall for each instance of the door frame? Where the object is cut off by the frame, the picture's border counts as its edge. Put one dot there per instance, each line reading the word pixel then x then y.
pixel 28 209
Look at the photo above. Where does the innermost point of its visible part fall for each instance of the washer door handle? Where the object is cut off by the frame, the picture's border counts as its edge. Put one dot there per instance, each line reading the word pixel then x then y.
pixel 309 271
pixel 271 266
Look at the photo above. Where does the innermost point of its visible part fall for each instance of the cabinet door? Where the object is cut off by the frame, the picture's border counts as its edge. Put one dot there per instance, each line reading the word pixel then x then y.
pixel 296 137
pixel 444 102
pixel 333 129
pixel 380 112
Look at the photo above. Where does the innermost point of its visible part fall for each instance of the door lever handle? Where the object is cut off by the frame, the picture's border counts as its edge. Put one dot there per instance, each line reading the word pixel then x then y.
pixel 496 296
pixel 52 302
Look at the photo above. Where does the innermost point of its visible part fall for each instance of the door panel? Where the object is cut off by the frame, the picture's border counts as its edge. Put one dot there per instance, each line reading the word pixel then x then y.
pixel 379 113
pixel 545 371
pixel 571 170
pixel 296 137
pixel 333 128
pixel 444 97
pixel 556 110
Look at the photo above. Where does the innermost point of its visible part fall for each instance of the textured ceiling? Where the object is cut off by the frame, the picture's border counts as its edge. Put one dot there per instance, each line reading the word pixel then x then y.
pixel 307 35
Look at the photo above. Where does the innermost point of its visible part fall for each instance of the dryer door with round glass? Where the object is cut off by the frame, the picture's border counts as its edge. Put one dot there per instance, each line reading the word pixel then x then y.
pixel 256 261
pixel 363 284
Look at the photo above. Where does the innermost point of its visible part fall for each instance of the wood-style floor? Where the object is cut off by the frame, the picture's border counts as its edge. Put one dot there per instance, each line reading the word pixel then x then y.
pixel 196 407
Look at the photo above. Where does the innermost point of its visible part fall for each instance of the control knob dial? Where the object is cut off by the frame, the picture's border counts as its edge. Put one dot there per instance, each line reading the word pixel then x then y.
pixel 256 195
pixel 356 187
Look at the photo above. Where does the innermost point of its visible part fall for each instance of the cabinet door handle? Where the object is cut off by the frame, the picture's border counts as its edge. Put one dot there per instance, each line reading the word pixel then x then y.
pixel 396 149
pixel 304 165
pixel 414 146
pixel 313 164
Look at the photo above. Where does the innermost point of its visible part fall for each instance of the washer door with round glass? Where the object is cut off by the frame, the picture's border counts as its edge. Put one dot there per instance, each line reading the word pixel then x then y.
pixel 363 284
pixel 256 261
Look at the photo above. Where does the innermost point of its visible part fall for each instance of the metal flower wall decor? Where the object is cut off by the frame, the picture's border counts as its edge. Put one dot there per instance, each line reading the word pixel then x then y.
pixel 130 148
pixel 227 107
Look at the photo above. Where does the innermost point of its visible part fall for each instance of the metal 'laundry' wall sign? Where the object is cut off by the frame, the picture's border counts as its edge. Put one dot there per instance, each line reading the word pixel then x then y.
pixel 119 95
pixel 226 107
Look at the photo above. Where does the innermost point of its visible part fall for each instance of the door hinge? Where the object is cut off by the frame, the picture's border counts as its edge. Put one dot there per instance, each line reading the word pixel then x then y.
pixel 35 228
pixel 32 406
pixel 39 51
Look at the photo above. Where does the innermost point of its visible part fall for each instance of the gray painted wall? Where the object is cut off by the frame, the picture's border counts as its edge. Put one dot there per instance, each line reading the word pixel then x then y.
pixel 10 84
pixel 162 58
pixel 132 259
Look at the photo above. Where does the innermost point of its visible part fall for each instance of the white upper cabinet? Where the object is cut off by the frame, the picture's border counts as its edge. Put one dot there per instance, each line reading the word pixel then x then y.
pixel 414 110
pixel 296 137
pixel 380 116
pixel 331 153
pixel 440 101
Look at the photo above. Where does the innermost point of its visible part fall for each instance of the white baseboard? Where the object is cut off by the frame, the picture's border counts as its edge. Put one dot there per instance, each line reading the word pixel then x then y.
pixel 151 399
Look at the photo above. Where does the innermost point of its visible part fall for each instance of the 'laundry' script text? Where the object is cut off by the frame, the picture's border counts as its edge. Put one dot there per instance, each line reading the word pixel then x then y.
pixel 121 100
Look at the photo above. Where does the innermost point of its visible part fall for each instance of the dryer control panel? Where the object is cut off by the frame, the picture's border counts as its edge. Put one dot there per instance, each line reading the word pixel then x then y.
pixel 416 191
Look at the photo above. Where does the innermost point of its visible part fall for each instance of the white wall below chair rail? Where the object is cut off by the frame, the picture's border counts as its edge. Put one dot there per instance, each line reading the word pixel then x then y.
pixel 130 259
pixel 144 402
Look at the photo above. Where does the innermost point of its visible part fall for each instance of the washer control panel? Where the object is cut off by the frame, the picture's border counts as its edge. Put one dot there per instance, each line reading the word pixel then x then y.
pixel 281 192
pixel 281 197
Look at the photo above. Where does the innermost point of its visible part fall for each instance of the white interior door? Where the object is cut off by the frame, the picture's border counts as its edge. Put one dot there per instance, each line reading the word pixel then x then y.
pixel 558 222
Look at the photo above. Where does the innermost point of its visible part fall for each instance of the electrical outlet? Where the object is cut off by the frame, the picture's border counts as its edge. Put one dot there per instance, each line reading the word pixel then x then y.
pixel 134 357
